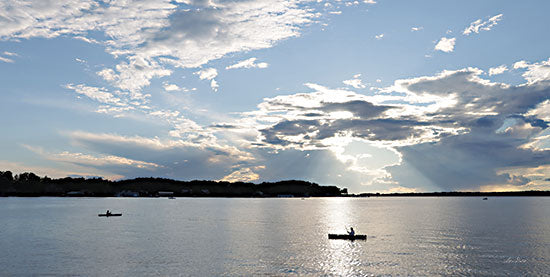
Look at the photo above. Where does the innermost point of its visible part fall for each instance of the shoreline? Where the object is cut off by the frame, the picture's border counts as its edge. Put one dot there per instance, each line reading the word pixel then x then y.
pixel 362 195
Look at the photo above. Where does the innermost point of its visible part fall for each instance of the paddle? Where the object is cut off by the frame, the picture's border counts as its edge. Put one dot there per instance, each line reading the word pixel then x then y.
pixel 346 227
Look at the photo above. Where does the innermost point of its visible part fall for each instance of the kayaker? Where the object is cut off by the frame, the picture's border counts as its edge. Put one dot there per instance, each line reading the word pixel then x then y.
pixel 108 212
pixel 351 232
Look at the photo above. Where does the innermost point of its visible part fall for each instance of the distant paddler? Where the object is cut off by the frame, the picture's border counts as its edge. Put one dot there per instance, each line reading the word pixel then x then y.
pixel 109 214
pixel 350 235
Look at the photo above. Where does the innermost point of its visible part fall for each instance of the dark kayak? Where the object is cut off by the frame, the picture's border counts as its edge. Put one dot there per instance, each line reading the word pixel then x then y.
pixel 346 236
pixel 107 215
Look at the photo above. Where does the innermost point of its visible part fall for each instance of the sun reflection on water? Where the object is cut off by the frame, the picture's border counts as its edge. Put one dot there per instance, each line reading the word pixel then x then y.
pixel 341 257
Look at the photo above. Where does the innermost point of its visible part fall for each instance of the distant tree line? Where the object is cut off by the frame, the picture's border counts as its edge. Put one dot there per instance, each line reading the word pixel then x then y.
pixel 459 193
pixel 29 184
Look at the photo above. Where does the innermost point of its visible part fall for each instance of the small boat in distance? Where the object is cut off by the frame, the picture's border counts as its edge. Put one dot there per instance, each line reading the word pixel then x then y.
pixel 485 198
pixel 347 236
pixel 107 215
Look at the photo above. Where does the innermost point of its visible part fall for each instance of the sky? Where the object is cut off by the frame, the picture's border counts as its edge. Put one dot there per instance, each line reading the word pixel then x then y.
pixel 372 95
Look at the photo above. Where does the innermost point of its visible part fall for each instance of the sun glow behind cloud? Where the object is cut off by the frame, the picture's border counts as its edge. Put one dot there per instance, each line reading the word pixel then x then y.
pixel 164 59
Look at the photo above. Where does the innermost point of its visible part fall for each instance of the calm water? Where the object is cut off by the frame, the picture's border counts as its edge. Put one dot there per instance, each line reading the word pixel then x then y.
pixel 236 237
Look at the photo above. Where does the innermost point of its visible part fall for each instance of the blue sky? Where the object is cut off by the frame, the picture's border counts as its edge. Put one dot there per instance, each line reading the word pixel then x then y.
pixel 375 96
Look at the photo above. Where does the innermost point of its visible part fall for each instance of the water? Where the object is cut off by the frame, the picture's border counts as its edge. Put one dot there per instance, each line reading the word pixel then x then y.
pixel 236 237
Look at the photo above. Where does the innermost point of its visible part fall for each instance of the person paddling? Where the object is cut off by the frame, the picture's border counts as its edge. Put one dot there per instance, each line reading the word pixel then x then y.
pixel 108 212
pixel 351 232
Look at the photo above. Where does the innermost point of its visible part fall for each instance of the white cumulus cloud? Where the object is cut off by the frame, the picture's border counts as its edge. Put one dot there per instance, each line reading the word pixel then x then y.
pixel 100 95
pixel 248 63
pixel 214 85
pixel 535 72
pixel 149 35
pixel 497 70
pixel 355 82
pixel 479 25
pixel 171 87
pixel 446 44
pixel 207 73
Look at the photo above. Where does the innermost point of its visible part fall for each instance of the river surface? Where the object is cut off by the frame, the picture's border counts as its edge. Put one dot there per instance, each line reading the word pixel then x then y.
pixel 243 237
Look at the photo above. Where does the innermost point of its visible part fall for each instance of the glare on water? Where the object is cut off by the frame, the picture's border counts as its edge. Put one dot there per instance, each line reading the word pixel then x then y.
pixel 236 237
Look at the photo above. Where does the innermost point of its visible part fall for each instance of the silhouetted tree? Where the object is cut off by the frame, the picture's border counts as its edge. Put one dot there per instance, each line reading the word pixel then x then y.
pixel 6 179
pixel 27 177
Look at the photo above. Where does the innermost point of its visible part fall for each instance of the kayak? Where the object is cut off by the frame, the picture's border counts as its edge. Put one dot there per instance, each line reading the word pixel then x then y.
pixel 107 215
pixel 346 236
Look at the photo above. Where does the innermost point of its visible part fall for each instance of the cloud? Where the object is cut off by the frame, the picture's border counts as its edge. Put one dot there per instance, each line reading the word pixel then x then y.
pixel 120 104
pixel 535 72
pixel 249 63
pixel 473 159
pixel 443 127
pixel 369 1
pixel 168 158
pixel 541 111
pixel 230 27
pixel 151 35
pixel 207 73
pixel 134 74
pixel 104 162
pixel 214 85
pixel 9 54
pixel 6 60
pixel 380 36
pixel 312 120
pixel 41 18
pixel 88 40
pixel 416 29
pixel 355 82
pixel 416 121
pixel 53 172
pixel 320 166
pixel 401 190
pixel 497 70
pixel 171 87
pixel 100 95
pixel 241 175
pixel 479 25
pixel 445 44
pixel 521 64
